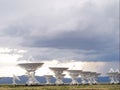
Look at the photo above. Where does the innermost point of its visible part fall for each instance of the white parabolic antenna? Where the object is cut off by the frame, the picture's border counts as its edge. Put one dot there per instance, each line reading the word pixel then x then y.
pixel 114 76
pixel 58 71
pixel 48 78
pixel 84 77
pixel 31 68
pixel 74 75
pixel 93 77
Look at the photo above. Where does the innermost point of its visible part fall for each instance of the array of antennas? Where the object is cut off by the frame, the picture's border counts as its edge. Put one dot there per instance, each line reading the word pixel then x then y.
pixel 114 76
pixel 86 77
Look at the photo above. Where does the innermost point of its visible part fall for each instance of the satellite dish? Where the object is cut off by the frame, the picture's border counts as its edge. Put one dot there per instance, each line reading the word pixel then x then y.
pixel 117 70
pixel 31 68
pixel 74 75
pixel 84 77
pixel 48 79
pixel 94 76
pixel 111 70
pixel 58 71
pixel 114 76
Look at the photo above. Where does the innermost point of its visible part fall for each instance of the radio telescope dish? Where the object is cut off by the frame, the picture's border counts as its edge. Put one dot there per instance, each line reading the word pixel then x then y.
pixel 93 77
pixel 31 68
pixel 114 76
pixel 58 71
pixel 117 76
pixel 84 77
pixel 48 79
pixel 74 75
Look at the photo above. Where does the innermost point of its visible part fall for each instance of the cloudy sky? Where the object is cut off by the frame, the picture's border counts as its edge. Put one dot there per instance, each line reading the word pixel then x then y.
pixel 84 31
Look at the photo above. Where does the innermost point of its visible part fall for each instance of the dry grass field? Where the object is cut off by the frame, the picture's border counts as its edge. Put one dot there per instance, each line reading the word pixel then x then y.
pixel 80 87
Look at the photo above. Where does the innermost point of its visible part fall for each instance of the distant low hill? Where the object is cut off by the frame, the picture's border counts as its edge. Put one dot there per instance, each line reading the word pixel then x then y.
pixel 41 79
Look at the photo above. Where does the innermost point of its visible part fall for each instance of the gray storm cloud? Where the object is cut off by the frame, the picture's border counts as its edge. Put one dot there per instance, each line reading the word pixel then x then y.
pixel 69 29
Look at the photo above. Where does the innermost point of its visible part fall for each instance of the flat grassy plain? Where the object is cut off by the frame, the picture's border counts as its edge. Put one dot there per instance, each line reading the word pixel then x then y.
pixel 80 87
